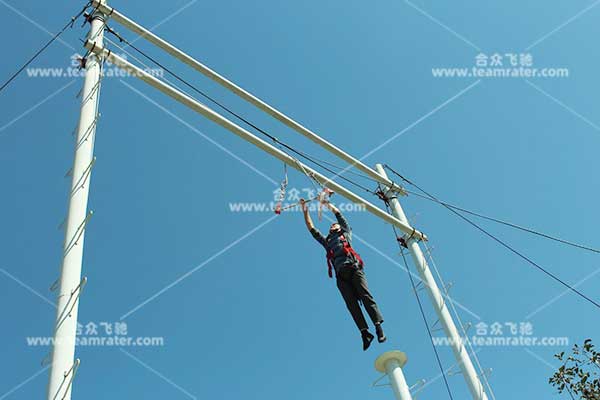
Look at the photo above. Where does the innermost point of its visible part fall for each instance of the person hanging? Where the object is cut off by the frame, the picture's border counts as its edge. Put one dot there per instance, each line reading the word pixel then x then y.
pixel 349 272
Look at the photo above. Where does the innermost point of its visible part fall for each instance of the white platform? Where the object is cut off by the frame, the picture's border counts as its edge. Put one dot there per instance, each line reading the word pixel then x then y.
pixel 390 355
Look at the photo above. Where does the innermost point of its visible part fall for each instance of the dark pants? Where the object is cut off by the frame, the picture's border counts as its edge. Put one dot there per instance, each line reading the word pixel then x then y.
pixel 352 284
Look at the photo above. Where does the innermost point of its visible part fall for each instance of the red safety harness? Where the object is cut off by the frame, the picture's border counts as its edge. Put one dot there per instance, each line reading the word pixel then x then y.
pixel 347 250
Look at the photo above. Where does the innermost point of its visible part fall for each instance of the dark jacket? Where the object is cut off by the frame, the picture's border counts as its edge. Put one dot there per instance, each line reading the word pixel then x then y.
pixel 333 242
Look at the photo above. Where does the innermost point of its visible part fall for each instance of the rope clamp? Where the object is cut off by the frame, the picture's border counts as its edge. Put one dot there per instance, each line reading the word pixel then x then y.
pixel 402 242
pixel 404 239
pixel 87 18
pixel 82 63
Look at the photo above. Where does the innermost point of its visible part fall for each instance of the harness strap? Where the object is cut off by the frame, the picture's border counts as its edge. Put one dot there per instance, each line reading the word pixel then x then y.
pixel 347 250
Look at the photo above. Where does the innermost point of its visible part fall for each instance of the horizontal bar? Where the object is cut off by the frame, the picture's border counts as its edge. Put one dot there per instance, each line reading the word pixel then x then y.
pixel 244 134
pixel 198 66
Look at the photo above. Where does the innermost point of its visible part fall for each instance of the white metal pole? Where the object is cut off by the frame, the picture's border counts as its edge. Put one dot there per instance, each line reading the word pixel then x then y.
pixel 244 134
pixel 392 363
pixel 439 304
pixel 249 97
pixel 63 366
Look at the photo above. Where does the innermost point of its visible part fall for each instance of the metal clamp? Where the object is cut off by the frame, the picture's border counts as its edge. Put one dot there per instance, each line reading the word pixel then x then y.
pixel 453 371
pixel 64 313
pixel 377 384
pixel 70 373
pixel 434 326
pixel 88 132
pixel 417 388
pixel 78 232
pixel 84 177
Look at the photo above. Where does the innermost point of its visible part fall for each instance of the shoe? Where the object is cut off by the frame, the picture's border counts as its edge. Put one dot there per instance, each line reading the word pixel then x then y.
pixel 380 335
pixel 367 338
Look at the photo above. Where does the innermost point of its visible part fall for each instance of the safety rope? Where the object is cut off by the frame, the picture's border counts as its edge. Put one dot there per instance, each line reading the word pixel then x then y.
pixel 328 165
pixel 464 210
pixel 460 323
pixel 502 243
pixel 414 288
pixel 233 113
pixel 322 192
pixel 45 46
pixel 506 223
pixel 437 355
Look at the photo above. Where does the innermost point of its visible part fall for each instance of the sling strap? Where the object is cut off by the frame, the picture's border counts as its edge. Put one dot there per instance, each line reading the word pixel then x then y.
pixel 348 250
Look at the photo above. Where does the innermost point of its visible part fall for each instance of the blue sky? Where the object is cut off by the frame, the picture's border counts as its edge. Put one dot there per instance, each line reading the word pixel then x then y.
pixel 258 316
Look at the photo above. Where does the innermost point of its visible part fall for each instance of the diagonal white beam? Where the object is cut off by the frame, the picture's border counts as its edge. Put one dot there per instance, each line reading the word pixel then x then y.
pixel 281 117
pixel 199 133
pixel 244 134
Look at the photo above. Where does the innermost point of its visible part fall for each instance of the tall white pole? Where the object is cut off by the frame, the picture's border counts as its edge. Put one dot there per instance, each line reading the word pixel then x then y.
pixel 392 363
pixel 439 304
pixel 64 367
pixel 249 97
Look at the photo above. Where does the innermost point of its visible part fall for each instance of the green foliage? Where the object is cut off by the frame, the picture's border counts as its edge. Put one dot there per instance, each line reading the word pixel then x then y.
pixel 578 374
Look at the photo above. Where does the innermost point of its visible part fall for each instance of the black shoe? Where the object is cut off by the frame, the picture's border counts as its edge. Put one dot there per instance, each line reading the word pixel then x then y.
pixel 380 335
pixel 367 338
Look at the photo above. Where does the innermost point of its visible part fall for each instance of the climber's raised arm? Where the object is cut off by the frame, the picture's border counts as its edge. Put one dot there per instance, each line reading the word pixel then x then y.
pixel 309 224
pixel 340 218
